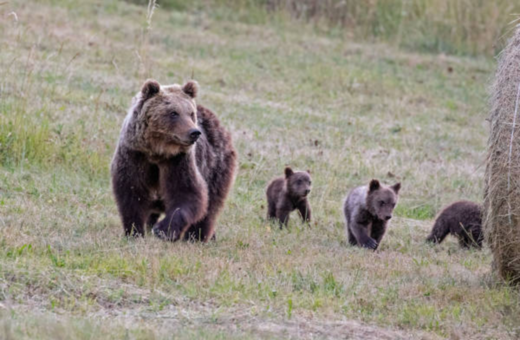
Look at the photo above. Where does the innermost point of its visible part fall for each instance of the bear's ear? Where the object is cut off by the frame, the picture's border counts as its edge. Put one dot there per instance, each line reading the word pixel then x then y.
pixel 374 185
pixel 396 187
pixel 150 89
pixel 308 171
pixel 288 172
pixel 191 88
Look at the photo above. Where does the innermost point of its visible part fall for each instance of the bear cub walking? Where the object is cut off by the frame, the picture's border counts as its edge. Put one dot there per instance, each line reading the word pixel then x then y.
pixel 367 211
pixel 285 194
pixel 462 219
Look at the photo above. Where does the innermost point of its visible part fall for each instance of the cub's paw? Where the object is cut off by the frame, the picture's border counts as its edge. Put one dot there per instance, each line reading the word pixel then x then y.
pixel 432 239
pixel 370 244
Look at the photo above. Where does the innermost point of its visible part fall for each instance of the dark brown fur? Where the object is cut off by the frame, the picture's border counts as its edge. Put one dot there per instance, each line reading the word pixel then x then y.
pixel 462 219
pixel 285 194
pixel 367 211
pixel 173 157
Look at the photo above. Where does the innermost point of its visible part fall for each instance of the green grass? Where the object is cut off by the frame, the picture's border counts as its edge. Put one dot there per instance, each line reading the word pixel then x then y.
pixel 347 111
pixel 463 27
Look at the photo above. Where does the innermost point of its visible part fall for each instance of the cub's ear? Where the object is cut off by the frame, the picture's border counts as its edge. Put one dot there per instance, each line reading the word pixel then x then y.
pixel 374 185
pixel 396 187
pixel 308 171
pixel 288 172
pixel 150 88
pixel 191 88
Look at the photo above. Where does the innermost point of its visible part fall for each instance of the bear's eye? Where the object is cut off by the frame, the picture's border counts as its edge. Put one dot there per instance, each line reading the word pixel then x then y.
pixel 299 182
pixel 192 115
pixel 381 203
pixel 174 114
pixel 310 182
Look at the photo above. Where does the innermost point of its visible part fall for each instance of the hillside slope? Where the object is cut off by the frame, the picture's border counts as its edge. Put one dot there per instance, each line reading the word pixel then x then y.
pixel 346 111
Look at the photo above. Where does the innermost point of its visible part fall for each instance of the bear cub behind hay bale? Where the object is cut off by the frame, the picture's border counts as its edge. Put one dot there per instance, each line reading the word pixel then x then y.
pixel 285 194
pixel 462 219
pixel 367 210
pixel 173 157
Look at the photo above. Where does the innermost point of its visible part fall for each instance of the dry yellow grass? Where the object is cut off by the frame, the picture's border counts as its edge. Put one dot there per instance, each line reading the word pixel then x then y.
pixel 501 222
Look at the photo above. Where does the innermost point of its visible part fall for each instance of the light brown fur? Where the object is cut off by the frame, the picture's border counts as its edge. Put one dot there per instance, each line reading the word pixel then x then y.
pixel 367 210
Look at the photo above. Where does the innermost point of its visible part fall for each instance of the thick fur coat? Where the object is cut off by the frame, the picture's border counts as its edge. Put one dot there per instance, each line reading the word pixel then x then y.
pixel 462 219
pixel 367 210
pixel 289 193
pixel 173 157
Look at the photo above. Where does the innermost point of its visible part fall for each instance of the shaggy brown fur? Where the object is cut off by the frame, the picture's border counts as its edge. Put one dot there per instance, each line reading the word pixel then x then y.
pixel 462 219
pixel 367 211
pixel 173 157
pixel 285 194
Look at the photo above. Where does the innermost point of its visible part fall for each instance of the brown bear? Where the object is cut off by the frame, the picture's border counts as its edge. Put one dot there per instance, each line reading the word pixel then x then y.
pixel 285 194
pixel 462 219
pixel 367 210
pixel 173 157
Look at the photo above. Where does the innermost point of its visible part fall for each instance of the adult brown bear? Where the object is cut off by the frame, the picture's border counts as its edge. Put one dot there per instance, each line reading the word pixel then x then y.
pixel 173 157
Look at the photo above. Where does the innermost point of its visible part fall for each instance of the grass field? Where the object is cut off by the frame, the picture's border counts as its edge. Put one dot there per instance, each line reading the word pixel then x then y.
pixel 462 27
pixel 347 111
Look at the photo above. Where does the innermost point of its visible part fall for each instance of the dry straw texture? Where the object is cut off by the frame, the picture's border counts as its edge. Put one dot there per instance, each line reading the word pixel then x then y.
pixel 502 203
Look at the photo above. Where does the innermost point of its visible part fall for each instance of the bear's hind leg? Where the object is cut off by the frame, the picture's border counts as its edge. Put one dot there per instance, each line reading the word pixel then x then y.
pixel 470 237
pixel 271 210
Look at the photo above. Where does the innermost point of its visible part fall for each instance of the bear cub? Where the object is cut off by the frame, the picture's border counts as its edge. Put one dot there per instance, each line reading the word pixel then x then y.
pixel 462 219
pixel 285 194
pixel 367 211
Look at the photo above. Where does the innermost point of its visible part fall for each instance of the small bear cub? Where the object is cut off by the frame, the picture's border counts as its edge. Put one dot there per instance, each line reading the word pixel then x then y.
pixel 462 219
pixel 285 194
pixel 367 211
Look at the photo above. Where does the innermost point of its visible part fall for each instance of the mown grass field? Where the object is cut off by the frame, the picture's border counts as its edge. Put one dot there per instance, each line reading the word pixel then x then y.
pixel 347 111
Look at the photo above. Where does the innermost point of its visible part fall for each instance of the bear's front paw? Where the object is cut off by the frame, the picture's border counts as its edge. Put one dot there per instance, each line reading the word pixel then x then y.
pixel 157 232
pixel 431 239
pixel 371 244
pixel 171 236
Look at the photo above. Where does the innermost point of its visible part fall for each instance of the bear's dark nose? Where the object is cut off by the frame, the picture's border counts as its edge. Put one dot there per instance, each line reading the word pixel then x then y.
pixel 388 217
pixel 307 191
pixel 195 134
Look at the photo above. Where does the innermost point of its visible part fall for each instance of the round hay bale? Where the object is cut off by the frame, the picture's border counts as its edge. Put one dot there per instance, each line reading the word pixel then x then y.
pixel 502 187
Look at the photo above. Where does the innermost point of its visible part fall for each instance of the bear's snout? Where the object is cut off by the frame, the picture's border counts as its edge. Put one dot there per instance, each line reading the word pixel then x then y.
pixel 388 217
pixel 194 135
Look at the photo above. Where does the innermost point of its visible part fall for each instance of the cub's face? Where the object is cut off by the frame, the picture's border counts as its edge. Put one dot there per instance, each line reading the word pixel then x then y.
pixel 170 113
pixel 381 199
pixel 299 183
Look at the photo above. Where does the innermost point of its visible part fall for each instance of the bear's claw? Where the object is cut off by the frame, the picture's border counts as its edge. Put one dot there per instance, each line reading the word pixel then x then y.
pixel 371 244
